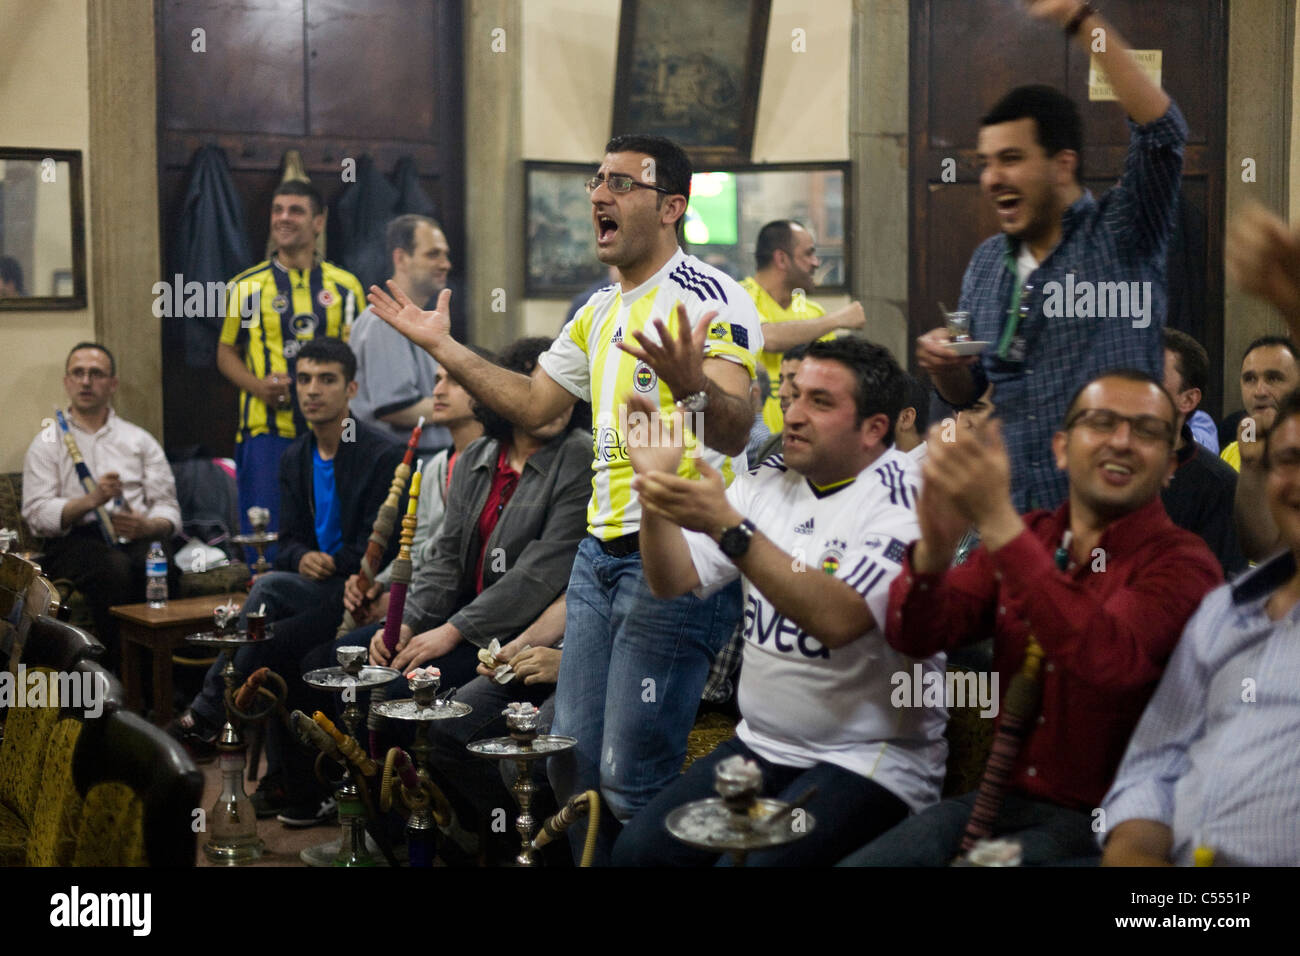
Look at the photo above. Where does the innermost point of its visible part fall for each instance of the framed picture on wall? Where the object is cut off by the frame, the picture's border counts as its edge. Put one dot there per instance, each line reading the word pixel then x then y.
pixel 729 205
pixel 691 72
pixel 559 238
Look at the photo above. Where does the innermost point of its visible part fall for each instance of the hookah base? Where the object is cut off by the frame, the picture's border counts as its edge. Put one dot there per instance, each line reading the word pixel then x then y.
pixel 233 854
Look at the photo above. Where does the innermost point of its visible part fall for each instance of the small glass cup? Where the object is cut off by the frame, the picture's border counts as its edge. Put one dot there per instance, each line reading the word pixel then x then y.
pixel 958 324
pixel 256 625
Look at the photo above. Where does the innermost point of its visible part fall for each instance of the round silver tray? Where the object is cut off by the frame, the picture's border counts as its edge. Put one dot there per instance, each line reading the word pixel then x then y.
pixel 337 679
pixel 230 641
pixel 507 748
pixel 710 825
pixel 408 709
pixel 254 539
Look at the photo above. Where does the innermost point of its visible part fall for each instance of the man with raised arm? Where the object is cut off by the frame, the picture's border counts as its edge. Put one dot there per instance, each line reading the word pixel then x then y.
pixel 633 667
pixel 1074 285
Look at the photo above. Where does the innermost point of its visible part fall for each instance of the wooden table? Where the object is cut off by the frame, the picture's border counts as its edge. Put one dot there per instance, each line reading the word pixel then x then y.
pixel 160 630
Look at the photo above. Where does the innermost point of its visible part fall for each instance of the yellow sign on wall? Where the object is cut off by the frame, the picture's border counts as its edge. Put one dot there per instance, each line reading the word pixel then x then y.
pixel 1099 87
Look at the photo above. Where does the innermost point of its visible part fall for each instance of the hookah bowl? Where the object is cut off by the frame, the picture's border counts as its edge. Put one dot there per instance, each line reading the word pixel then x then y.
pixel 351 676
pixel 258 538
pixel 423 707
pixel 523 746
pixel 232 824
pixel 738 820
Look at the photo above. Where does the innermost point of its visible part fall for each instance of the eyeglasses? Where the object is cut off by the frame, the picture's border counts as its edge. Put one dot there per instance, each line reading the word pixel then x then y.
pixel 621 184
pixel 94 374
pixel 1104 422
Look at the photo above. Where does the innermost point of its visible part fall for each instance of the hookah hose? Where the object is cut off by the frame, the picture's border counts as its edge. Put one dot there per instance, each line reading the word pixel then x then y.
pixel 320 732
pixel 86 479
pixel 415 792
pixel 240 700
pixel 347 746
pixel 588 803
pixel 1018 709
pixel 399 581
pixel 385 518
pixel 398 764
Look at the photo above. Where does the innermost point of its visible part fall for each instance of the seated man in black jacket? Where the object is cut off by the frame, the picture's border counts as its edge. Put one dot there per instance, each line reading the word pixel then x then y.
pixel 332 481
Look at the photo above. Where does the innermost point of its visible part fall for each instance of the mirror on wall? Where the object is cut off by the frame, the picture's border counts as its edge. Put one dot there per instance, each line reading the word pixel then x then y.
pixel 42 230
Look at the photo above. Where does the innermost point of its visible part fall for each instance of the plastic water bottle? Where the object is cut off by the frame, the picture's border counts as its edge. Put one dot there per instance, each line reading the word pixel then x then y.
pixel 155 572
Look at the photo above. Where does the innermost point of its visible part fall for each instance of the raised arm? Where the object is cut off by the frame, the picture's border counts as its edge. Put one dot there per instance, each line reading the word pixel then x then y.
pixel 527 402
pixel 1140 98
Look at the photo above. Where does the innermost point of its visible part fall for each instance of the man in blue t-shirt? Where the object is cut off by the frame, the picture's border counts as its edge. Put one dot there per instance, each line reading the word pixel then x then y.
pixel 332 481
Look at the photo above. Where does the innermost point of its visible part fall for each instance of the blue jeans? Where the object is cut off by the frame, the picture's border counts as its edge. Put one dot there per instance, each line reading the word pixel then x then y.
pixel 630 681
pixel 1047 833
pixel 847 809
pixel 257 477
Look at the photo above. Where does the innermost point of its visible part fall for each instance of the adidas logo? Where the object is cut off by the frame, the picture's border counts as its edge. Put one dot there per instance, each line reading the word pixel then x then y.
pixel 618 336
pixel 805 528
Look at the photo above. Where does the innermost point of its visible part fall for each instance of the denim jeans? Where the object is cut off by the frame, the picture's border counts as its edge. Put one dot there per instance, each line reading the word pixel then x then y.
pixel 302 613
pixel 630 680
pixel 1047 833
pixel 847 809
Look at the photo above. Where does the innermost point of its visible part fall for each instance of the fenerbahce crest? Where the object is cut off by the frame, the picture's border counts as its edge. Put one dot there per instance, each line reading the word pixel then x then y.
pixel 830 560
pixel 644 378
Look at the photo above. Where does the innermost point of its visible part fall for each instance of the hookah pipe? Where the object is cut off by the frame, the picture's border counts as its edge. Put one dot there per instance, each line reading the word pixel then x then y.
pixel 383 527
pixel 375 548
pixel 401 579
pixel 87 481
pixel 578 805
pixel 319 731
pixel 1018 709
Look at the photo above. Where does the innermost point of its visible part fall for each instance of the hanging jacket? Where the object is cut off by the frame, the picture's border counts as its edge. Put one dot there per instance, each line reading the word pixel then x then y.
pixel 210 245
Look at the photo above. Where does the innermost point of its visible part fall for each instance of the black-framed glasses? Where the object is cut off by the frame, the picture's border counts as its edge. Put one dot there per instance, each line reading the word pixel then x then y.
pixel 621 184
pixel 1104 421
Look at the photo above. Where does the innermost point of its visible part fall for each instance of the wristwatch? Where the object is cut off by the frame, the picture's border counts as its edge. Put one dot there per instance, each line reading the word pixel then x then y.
pixel 735 541
pixel 694 402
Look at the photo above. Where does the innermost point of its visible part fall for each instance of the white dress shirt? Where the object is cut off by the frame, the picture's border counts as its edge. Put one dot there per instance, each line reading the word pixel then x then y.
pixel 50 478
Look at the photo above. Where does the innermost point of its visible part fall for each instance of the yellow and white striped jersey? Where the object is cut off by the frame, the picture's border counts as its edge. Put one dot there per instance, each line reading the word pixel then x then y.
pixel 587 361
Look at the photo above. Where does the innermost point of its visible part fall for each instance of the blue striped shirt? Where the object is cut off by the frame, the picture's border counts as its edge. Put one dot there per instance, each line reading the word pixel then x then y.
pixel 1216 756
pixel 1114 248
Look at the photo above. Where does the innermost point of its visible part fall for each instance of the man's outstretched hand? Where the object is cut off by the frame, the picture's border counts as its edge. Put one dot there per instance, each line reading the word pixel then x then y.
pixel 426 329
pixel 677 359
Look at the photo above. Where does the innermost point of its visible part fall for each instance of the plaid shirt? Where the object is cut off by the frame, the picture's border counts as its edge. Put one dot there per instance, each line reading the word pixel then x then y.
pixel 1121 238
